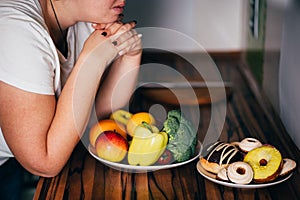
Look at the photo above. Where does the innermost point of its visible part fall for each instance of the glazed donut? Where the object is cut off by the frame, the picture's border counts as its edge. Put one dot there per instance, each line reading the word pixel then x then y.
pixel 222 175
pixel 248 144
pixel 219 155
pixel 266 162
pixel 240 173
pixel 288 166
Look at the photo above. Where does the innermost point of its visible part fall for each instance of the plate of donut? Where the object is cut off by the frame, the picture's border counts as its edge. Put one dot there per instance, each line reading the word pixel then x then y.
pixel 245 164
pixel 212 177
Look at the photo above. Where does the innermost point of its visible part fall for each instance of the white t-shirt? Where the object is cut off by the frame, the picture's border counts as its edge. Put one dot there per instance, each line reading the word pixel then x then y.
pixel 29 59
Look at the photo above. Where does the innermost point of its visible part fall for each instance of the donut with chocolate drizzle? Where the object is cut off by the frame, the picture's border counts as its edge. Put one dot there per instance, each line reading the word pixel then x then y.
pixel 220 155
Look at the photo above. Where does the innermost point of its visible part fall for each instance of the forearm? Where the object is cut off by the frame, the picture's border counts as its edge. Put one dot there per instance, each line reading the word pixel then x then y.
pixel 70 119
pixel 118 86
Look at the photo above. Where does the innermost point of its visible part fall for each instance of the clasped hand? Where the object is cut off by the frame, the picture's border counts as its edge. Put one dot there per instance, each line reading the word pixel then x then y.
pixel 114 39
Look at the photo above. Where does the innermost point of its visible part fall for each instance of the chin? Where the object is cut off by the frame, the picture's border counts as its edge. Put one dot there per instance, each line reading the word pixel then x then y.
pixel 111 20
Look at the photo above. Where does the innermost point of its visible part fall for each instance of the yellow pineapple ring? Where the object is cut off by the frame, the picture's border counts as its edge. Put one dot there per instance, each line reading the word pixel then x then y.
pixel 266 162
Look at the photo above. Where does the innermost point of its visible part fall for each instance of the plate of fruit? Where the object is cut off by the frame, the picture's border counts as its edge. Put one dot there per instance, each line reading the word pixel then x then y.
pixel 245 164
pixel 132 142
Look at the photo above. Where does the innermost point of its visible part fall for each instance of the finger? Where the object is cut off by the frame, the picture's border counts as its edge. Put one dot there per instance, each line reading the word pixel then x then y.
pixel 119 39
pixel 132 23
pixel 107 26
pixel 113 28
pixel 134 48
pixel 98 26
pixel 119 27
pixel 133 43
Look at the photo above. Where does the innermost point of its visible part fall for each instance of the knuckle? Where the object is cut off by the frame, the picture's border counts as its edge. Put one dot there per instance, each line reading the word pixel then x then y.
pixel 134 31
pixel 123 28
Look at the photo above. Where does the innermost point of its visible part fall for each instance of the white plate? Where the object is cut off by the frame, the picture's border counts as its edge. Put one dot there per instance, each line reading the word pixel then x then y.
pixel 212 178
pixel 142 169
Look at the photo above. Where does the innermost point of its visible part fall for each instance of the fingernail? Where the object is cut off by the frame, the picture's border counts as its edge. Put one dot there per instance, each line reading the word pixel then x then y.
pixel 139 35
pixel 121 16
pixel 121 53
pixel 104 33
pixel 115 43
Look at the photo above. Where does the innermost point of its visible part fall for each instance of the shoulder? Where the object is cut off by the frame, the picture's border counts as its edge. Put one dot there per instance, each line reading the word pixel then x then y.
pixel 27 52
pixel 25 15
pixel 22 23
pixel 25 10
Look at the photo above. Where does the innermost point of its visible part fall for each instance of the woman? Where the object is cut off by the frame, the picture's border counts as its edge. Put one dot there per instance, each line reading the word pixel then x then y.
pixel 53 57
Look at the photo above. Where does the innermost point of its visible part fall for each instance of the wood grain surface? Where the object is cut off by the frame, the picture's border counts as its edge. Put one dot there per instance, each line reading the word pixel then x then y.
pixel 249 114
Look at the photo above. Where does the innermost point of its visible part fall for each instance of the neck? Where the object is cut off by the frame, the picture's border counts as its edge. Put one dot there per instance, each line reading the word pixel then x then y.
pixel 52 20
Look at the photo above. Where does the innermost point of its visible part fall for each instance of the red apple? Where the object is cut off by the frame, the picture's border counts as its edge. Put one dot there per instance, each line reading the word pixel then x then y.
pixel 166 158
pixel 111 146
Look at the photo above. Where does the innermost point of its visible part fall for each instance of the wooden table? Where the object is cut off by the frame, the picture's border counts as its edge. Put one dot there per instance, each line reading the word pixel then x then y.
pixel 249 114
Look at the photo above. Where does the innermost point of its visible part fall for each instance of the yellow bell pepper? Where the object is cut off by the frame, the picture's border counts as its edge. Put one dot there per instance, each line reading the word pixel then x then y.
pixel 146 146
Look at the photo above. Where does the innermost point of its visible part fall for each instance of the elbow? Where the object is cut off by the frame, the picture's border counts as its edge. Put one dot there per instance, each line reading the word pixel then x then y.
pixel 48 174
pixel 45 170
pixel 45 173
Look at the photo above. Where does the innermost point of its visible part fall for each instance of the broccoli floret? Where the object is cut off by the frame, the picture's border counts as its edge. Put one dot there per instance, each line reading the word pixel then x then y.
pixel 171 126
pixel 182 136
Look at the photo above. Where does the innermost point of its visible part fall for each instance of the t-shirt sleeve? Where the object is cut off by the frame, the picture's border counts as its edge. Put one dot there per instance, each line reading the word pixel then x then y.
pixel 27 61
